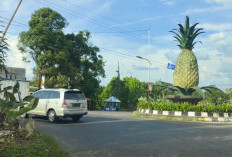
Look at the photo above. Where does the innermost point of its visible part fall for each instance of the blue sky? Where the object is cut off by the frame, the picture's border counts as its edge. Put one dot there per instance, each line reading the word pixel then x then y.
pixel 119 29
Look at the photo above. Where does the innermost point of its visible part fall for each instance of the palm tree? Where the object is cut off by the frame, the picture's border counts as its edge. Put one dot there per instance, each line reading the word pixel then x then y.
pixel 3 50
pixel 186 94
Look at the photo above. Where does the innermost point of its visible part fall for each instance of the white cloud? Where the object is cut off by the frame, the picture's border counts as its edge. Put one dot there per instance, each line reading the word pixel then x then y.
pixel 203 57
pixel 137 67
pixel 171 55
pixel 216 27
pixel 168 2
pixel 8 5
pixel 146 19
pixel 207 9
pixel 222 42
pixel 219 1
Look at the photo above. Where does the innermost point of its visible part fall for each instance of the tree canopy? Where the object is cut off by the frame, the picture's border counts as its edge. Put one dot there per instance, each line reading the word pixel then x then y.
pixel 65 59
pixel 128 91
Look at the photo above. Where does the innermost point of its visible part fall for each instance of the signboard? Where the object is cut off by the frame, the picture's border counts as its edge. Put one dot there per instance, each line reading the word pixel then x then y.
pixel 171 66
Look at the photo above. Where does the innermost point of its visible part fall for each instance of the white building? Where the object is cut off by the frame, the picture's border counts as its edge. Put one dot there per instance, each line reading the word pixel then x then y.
pixel 13 73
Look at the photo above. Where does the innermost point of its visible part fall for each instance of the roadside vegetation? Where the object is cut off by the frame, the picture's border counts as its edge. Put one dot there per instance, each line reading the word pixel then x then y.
pixel 170 106
pixel 37 145
pixel 18 137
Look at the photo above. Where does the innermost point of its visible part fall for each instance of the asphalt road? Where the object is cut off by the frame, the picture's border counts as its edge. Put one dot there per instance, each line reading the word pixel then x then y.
pixel 115 134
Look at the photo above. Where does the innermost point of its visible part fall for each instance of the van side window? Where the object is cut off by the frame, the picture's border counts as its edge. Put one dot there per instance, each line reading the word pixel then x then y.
pixel 54 95
pixel 45 95
pixel 42 94
pixel 37 95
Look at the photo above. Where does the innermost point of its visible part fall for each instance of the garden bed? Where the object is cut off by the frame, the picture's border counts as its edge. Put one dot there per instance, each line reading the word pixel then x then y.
pixel 185 107
pixel 196 116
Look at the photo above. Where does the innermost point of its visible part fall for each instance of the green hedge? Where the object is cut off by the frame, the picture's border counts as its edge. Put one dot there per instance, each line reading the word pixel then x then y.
pixel 169 106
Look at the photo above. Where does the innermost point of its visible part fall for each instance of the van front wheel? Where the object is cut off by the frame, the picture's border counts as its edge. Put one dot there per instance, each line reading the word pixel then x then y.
pixel 52 116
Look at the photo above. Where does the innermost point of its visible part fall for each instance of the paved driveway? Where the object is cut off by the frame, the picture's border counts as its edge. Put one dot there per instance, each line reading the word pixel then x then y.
pixel 116 134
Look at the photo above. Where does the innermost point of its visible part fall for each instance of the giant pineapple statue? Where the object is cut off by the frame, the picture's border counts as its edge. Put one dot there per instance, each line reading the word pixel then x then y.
pixel 186 73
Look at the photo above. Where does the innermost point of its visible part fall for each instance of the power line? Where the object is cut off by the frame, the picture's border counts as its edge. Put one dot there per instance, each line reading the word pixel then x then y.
pixel 120 32
pixel 91 20
pixel 100 24
pixel 164 65
pixel 14 21
pixel 106 25
pixel 88 10
pixel 153 41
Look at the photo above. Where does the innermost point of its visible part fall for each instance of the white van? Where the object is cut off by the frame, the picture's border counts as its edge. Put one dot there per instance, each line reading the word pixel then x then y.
pixel 55 103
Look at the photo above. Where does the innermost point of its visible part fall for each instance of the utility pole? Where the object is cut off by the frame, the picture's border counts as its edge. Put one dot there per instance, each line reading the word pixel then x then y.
pixel 149 76
pixel 118 80
pixel 118 72
pixel 4 33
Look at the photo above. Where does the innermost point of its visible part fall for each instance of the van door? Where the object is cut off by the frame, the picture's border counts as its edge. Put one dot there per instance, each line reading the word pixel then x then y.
pixel 43 99
pixel 54 101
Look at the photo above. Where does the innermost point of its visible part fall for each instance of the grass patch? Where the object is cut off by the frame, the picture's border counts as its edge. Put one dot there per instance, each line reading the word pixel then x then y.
pixel 37 145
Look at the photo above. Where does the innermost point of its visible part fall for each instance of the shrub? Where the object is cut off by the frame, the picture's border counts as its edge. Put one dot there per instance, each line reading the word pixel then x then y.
pixel 143 104
pixel 170 106
pixel 10 108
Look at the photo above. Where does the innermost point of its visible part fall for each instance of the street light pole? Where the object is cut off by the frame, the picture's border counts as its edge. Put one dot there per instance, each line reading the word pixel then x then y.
pixel 149 64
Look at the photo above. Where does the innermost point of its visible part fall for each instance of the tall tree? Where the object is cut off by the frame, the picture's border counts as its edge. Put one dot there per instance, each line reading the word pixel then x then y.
pixel 86 63
pixel 67 60
pixel 44 41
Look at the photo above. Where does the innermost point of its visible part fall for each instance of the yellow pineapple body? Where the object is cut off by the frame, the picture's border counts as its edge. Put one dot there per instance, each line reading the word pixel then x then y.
pixel 186 73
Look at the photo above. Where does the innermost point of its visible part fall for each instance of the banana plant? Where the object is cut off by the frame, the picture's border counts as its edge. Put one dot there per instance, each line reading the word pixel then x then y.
pixel 10 108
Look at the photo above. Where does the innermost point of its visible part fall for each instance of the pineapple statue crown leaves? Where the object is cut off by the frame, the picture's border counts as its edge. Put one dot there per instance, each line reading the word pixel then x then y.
pixel 186 34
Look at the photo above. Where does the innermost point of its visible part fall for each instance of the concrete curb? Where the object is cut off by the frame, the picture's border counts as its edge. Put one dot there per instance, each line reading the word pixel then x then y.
pixel 201 116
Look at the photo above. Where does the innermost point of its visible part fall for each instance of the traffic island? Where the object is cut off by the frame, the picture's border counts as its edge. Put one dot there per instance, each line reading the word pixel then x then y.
pixel 186 116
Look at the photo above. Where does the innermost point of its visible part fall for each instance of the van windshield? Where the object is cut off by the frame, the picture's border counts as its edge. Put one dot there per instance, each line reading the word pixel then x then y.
pixel 74 95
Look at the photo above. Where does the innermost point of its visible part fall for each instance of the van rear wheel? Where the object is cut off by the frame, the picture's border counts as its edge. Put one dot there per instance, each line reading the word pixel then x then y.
pixel 52 116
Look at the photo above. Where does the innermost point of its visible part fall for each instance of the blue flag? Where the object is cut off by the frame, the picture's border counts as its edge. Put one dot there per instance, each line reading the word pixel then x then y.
pixel 171 66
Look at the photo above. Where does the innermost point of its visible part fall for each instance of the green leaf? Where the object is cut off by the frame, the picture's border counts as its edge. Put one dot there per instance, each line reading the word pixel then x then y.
pixel 18 105
pixel 3 103
pixel 28 98
pixel 6 89
pixel 16 88
pixel 12 97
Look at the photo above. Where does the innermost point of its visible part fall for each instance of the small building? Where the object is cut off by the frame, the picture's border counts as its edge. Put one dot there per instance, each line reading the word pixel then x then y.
pixel 112 104
pixel 13 73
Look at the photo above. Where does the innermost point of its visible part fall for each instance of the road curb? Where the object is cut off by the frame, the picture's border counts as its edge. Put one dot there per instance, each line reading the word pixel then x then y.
pixel 200 116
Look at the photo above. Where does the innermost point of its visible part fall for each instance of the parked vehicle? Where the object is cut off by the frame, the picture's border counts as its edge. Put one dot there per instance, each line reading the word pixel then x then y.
pixel 55 103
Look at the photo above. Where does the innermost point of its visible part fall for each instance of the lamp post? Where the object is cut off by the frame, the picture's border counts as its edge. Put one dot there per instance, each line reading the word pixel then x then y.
pixel 148 87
